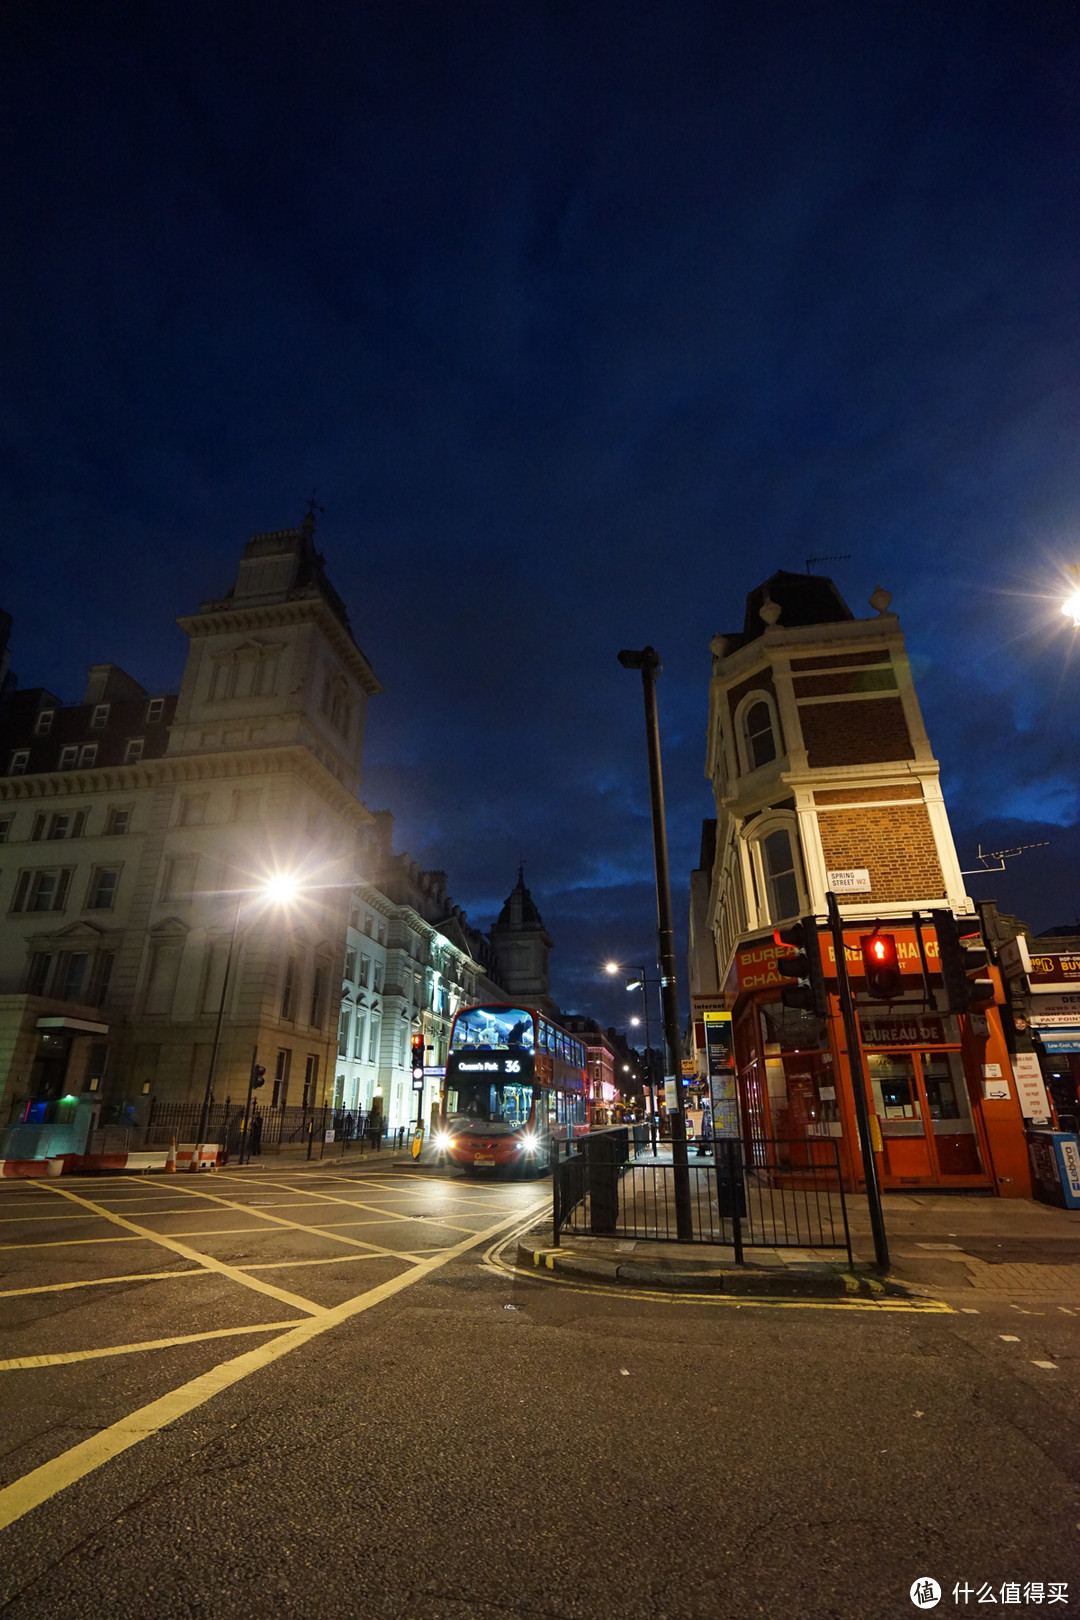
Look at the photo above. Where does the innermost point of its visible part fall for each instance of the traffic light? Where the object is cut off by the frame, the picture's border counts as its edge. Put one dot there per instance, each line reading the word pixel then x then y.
pixel 881 965
pixel 258 1076
pixel 418 1057
pixel 962 954
pixel 804 965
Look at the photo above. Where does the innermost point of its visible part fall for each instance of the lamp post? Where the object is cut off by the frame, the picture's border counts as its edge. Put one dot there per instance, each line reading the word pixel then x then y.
pixel 278 890
pixel 633 984
pixel 648 662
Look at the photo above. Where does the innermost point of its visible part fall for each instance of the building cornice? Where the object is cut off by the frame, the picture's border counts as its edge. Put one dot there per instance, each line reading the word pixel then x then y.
pixel 293 760
pixel 787 643
pixel 232 620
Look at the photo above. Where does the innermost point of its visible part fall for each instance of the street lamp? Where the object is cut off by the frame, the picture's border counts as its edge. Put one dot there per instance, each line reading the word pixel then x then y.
pixel 276 891
pixel 641 983
pixel 1071 608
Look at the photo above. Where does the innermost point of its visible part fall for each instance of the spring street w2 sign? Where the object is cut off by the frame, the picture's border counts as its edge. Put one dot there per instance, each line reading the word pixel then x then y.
pixel 853 880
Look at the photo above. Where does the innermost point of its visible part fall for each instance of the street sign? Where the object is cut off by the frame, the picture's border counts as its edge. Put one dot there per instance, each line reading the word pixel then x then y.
pixel 852 880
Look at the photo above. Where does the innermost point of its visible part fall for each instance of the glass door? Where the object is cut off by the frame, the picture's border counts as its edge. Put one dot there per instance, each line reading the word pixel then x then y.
pixel 895 1098
pixel 948 1111
pixel 927 1130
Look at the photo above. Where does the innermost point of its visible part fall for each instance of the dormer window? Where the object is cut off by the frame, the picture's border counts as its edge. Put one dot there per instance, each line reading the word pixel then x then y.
pixel 100 717
pixel 43 723
pixel 154 710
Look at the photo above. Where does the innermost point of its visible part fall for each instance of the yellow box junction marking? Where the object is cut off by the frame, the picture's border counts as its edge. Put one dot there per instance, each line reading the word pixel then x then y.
pixel 44 1482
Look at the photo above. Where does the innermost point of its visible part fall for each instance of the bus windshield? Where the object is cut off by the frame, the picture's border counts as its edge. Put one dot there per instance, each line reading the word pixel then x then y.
pixel 489 1029
pixel 489 1104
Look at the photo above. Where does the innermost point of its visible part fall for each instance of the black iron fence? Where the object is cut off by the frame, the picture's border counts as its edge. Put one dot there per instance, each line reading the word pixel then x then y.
pixel 267 1130
pixel 788 1195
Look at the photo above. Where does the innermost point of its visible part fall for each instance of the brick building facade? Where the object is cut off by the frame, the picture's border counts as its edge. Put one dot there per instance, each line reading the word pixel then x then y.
pixel 824 780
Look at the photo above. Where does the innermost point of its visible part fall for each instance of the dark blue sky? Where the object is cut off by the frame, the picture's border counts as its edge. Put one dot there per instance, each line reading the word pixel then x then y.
pixel 583 318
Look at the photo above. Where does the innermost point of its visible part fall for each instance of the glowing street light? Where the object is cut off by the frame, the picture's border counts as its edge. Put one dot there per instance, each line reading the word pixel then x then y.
pixel 1071 608
pixel 275 891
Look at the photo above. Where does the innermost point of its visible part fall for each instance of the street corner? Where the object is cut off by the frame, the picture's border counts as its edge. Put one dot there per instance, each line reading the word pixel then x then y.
pixel 807 1281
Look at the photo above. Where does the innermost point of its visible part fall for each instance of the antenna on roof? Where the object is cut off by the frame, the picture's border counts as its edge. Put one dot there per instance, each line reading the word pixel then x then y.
pixel 1001 856
pixel 832 556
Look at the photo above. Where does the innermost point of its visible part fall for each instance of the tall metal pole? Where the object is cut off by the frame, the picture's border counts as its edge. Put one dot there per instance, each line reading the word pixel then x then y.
pixel 858 1086
pixel 204 1121
pixel 648 662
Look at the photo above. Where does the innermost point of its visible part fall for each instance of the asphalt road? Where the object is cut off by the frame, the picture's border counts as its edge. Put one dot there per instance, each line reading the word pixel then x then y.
pixel 313 1393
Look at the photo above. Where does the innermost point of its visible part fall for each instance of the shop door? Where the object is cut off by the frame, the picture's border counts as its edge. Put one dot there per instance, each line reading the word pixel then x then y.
pixel 928 1134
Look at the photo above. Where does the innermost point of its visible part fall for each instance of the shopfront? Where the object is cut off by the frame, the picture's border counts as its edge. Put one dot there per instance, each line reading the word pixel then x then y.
pixel 943 1107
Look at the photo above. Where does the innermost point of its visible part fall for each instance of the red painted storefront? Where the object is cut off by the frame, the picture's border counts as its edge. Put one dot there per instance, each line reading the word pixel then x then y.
pixel 933 1081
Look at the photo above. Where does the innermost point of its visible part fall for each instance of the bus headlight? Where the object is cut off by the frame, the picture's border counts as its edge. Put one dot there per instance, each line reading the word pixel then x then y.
pixel 443 1141
pixel 528 1143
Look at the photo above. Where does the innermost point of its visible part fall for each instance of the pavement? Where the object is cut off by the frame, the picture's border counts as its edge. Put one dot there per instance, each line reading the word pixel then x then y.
pixel 939 1244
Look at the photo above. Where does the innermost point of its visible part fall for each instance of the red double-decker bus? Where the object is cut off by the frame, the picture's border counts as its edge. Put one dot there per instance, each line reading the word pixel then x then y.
pixel 515 1082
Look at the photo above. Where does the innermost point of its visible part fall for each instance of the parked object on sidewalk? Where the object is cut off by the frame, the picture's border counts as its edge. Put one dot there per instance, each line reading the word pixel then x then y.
pixel 1055 1167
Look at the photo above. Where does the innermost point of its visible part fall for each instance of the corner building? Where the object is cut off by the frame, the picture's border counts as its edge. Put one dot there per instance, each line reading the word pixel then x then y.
pixel 824 778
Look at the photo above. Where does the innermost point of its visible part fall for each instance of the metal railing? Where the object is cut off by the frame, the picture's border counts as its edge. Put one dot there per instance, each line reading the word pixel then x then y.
pixel 789 1195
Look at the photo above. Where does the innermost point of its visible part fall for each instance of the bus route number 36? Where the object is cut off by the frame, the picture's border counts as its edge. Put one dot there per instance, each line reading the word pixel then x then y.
pixel 513 1066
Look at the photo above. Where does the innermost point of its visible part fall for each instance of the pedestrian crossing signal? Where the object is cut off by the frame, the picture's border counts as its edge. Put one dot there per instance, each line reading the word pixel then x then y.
pixel 803 964
pixel 881 966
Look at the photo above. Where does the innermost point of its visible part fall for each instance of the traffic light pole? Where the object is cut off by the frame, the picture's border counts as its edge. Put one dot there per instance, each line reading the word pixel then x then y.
pixel 858 1087
pixel 648 662
pixel 245 1127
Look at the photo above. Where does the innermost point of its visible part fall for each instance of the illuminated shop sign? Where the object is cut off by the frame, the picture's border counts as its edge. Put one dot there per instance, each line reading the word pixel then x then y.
pixel 755 965
pixel 1053 968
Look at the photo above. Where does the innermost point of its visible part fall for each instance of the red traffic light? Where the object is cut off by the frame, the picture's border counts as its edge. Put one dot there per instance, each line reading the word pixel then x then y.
pixel 418 1057
pixel 881 966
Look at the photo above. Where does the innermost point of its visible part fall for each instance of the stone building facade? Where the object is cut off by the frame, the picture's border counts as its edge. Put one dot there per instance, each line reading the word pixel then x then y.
pixel 139 833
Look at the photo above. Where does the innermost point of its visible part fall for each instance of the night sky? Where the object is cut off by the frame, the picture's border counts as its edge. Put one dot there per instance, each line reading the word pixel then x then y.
pixel 582 318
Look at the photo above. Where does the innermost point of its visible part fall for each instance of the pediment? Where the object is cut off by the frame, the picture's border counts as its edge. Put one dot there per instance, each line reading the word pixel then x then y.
pixel 169 928
pixel 78 932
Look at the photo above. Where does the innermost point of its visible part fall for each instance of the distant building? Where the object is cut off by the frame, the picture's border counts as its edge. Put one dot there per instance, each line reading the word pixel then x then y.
pixel 824 779
pixel 520 947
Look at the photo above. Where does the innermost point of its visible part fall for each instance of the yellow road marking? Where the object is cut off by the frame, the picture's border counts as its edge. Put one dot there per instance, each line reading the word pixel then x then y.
pixel 332 1260
pixel 299 1226
pixel 60 1215
pixel 96 1282
pixel 64 1243
pixel 205 1260
pixel 44 1482
pixel 64 1357
pixel 492 1259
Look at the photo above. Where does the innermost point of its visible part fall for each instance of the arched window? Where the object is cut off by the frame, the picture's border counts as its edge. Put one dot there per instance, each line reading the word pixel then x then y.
pixel 757 731
pixel 781 879
pixel 776 868
pixel 760 738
